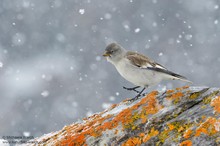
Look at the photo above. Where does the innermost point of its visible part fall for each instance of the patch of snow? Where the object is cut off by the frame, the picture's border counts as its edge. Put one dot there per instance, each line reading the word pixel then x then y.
pixel 115 110
pixel 106 105
pixel 4 142
pixel 89 113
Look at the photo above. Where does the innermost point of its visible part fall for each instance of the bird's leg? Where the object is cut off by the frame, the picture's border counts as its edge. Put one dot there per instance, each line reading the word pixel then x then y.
pixel 145 92
pixel 132 89
pixel 139 94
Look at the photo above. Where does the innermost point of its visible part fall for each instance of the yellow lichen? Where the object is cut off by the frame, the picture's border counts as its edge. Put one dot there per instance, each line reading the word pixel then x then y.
pixel 134 141
pixel 194 95
pixel 175 97
pixel 151 134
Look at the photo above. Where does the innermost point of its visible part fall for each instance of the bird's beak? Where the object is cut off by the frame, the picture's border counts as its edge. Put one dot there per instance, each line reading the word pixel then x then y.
pixel 106 54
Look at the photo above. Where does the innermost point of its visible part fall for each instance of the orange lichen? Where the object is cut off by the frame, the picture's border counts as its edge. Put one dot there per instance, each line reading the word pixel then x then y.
pixel 141 134
pixel 171 126
pixel 112 106
pixel 75 134
pixel 134 141
pixel 143 138
pixel 207 127
pixel 180 129
pixel 143 118
pixel 175 97
pixel 185 87
pixel 152 106
pixel 151 134
pixel 169 91
pixel 186 143
pixel 216 104
pixel 187 133
pixel 139 112
pixel 182 88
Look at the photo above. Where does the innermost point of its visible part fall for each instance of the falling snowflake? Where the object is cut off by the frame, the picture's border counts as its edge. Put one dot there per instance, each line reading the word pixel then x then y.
pixel 81 11
pixel 18 39
pixel 188 37
pixel 137 30
pixel 45 93
pixel 98 58
pixel 160 54
pixel 1 64
pixel 112 98
pixel 108 16
pixel 216 7
pixel 26 134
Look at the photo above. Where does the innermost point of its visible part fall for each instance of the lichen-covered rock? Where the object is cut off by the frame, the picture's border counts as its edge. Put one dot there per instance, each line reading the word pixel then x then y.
pixel 184 116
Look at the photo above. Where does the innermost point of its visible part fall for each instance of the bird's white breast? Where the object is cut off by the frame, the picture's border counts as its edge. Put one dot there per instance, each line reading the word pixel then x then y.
pixel 135 75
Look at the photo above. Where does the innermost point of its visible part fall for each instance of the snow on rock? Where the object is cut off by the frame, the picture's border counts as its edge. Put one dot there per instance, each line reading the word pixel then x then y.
pixel 4 142
pixel 184 116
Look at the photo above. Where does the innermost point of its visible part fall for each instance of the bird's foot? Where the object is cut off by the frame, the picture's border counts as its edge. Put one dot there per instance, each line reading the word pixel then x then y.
pixel 144 94
pixel 132 89
pixel 133 99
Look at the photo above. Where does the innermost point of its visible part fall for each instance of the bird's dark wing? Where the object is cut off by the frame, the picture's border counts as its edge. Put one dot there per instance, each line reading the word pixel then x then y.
pixel 142 61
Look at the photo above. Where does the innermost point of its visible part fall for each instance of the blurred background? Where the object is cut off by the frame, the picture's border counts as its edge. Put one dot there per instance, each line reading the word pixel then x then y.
pixel 52 72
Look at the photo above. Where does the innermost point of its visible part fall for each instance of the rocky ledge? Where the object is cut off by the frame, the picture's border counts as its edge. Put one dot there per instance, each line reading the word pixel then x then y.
pixel 185 116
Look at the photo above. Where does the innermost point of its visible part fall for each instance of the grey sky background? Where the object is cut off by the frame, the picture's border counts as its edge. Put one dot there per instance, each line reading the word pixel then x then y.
pixel 52 72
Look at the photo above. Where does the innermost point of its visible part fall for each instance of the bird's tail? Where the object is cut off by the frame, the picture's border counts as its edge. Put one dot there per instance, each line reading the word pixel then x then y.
pixel 171 75
pixel 180 77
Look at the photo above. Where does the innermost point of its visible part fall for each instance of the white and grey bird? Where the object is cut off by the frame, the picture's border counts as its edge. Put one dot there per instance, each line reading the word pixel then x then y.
pixel 138 69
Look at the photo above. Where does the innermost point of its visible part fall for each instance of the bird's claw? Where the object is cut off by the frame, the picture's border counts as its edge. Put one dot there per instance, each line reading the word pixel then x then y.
pixel 132 89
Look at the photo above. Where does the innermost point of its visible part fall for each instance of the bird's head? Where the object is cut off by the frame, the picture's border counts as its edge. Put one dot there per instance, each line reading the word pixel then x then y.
pixel 114 52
